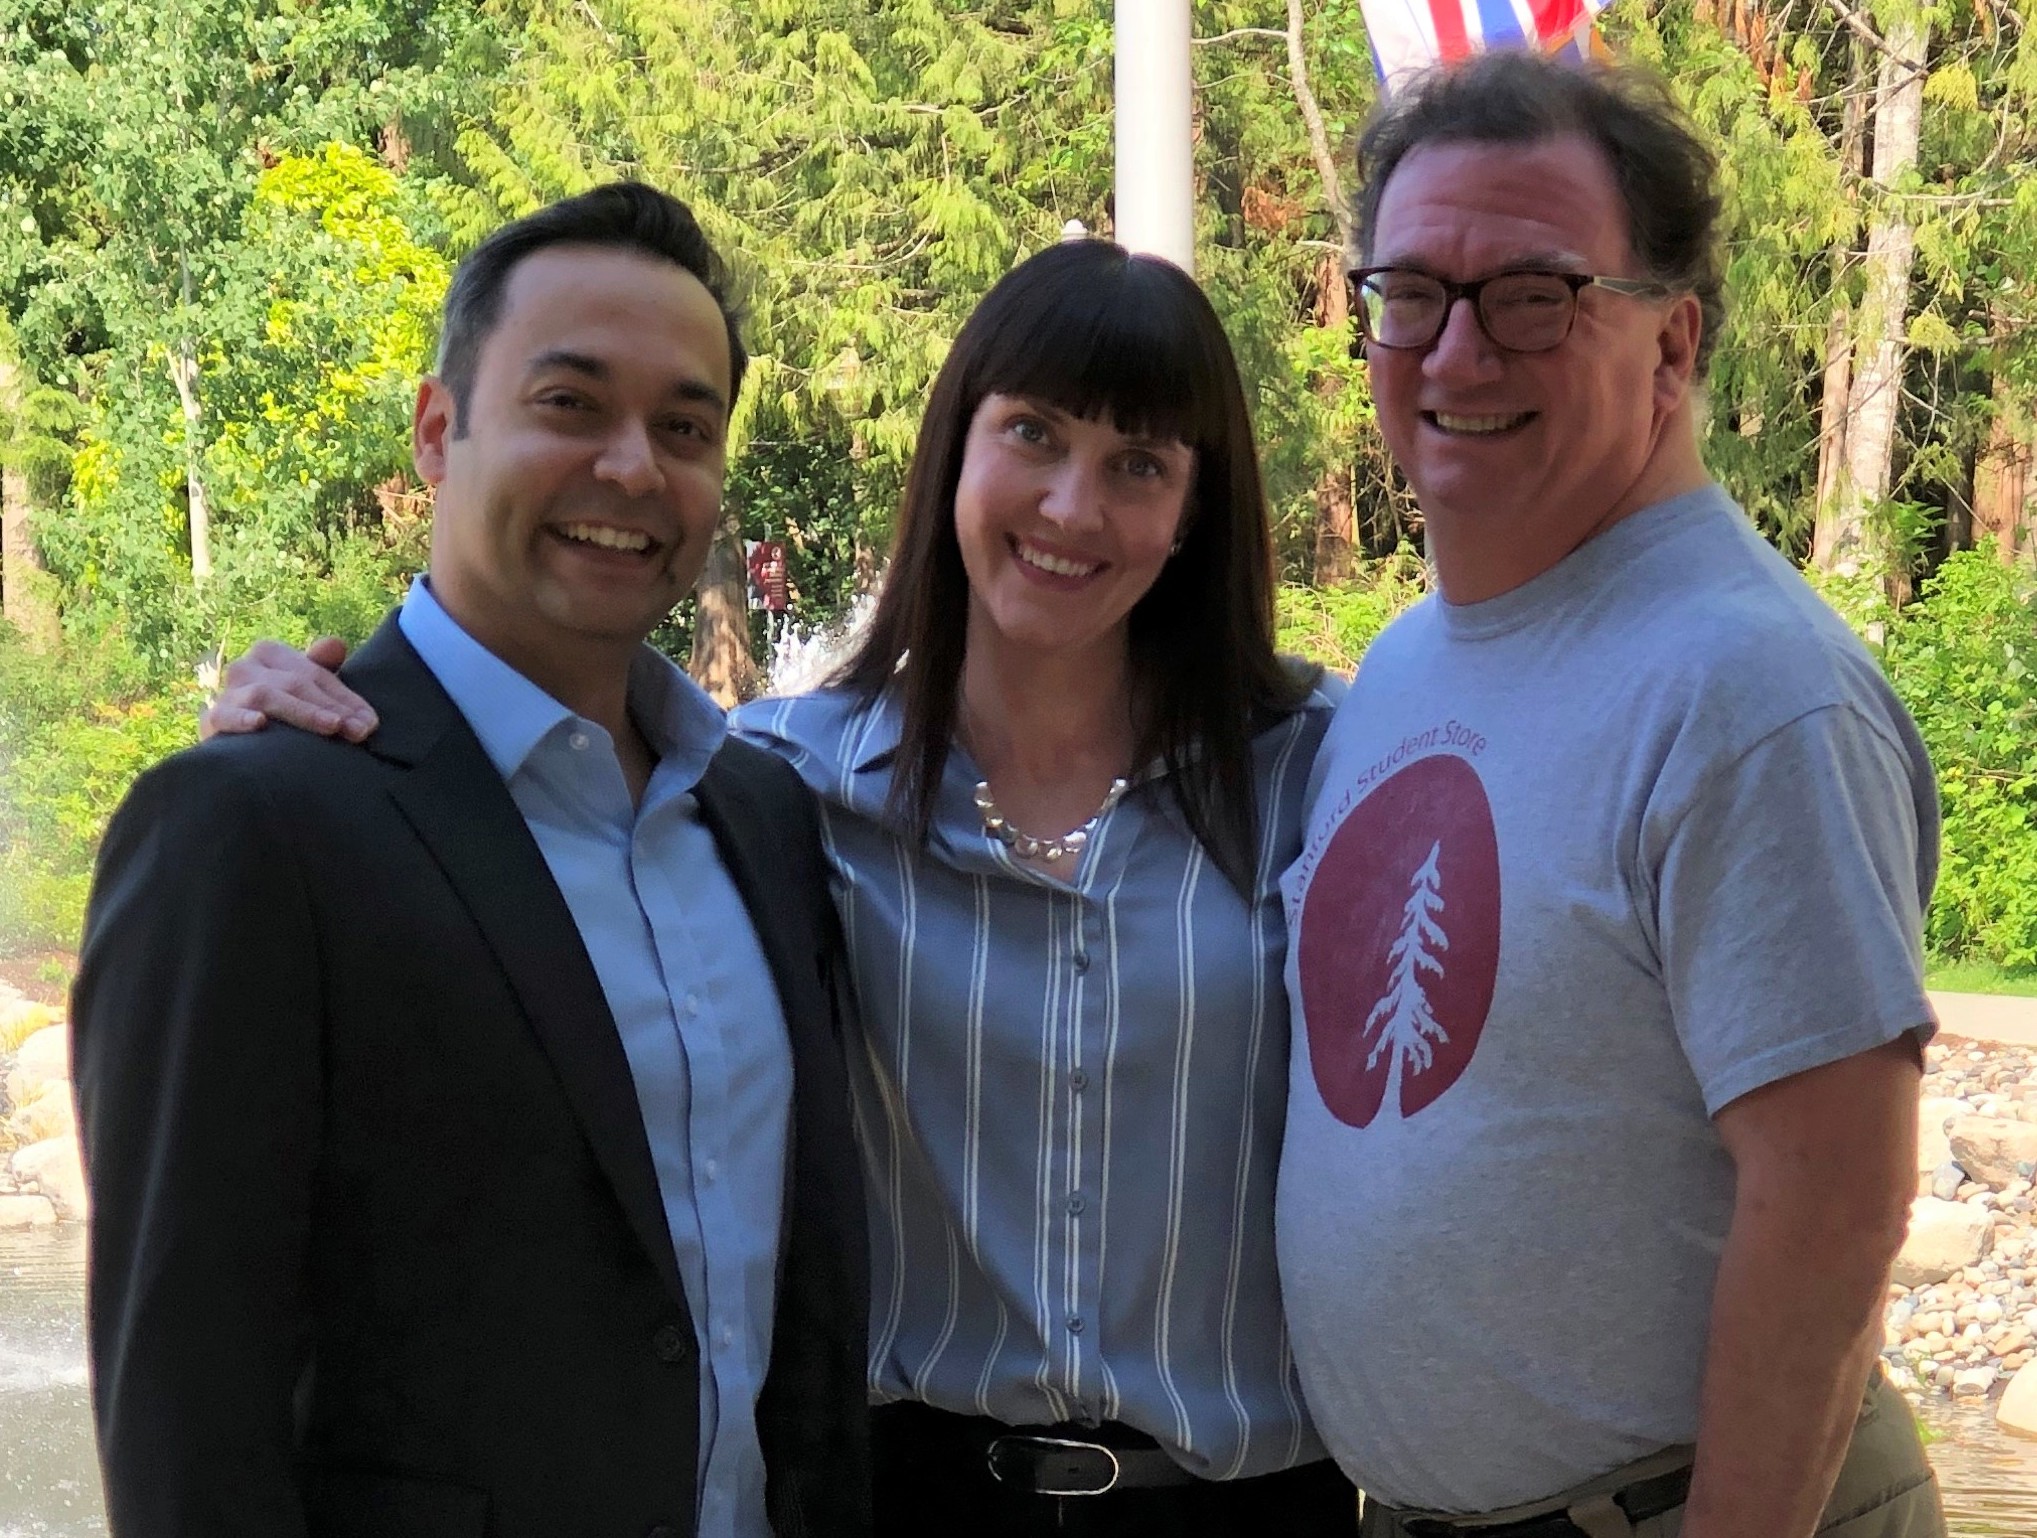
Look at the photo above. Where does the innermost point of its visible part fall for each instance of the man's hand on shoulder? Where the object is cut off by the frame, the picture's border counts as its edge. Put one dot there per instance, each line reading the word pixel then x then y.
pixel 274 682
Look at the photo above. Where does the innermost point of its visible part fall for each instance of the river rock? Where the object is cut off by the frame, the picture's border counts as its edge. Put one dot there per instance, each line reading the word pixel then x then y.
pixel 2017 1412
pixel 54 1168
pixel 1993 1149
pixel 1947 1180
pixel 44 1058
pixel 1973 1382
pixel 1944 1237
pixel 50 1114
pixel 1933 1146
pixel 18 1212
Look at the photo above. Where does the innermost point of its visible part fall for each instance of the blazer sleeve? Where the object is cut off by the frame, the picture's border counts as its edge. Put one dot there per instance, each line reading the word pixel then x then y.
pixel 196 1021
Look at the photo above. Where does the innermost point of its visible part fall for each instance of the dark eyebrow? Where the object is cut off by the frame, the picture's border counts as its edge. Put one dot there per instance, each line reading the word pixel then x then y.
pixel 1533 261
pixel 703 392
pixel 591 367
pixel 572 362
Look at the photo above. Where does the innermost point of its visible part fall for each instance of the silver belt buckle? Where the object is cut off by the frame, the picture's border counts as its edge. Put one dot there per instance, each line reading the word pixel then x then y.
pixel 1016 1442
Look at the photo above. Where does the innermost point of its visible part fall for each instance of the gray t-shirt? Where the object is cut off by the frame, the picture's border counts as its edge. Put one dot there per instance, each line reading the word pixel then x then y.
pixel 1586 862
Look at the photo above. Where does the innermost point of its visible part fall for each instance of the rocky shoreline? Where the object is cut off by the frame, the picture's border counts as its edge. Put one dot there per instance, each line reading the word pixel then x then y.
pixel 42 1182
pixel 1962 1311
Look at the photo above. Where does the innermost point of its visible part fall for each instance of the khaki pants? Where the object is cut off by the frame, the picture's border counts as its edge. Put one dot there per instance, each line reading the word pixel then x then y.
pixel 1885 1488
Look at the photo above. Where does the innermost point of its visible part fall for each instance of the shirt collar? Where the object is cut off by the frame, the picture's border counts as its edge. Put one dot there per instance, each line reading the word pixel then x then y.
pixel 511 715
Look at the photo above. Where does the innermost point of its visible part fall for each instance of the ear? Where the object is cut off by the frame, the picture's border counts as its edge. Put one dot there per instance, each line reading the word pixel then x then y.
pixel 432 428
pixel 1683 326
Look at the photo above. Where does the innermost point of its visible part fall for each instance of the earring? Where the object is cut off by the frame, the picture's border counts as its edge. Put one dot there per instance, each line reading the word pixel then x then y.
pixel 1174 549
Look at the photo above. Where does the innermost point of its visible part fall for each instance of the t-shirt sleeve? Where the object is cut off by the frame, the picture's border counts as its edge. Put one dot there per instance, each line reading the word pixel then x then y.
pixel 1789 905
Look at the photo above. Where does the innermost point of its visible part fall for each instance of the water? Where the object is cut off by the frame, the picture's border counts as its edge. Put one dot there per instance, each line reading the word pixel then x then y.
pixel 1989 1479
pixel 49 1478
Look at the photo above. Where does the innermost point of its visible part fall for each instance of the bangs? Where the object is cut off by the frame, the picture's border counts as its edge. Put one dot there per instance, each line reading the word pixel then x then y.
pixel 1107 337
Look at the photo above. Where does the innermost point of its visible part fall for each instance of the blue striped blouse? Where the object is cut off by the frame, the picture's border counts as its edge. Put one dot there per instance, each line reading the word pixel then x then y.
pixel 1071 1100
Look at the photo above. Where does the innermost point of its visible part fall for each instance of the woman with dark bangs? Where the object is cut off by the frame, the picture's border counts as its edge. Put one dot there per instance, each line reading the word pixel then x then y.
pixel 1060 779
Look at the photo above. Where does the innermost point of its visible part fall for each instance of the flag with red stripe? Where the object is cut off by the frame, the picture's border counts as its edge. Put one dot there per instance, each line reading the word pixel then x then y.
pixel 1415 34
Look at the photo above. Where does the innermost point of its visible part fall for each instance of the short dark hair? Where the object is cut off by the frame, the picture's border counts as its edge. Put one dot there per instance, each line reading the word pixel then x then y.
pixel 1667 176
pixel 1095 331
pixel 625 215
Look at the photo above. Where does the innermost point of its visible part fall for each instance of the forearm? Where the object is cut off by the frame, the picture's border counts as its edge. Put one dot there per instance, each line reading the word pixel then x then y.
pixel 1794 1332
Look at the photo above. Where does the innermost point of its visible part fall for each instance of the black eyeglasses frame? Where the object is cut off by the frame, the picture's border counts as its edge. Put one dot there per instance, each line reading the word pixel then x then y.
pixel 1356 277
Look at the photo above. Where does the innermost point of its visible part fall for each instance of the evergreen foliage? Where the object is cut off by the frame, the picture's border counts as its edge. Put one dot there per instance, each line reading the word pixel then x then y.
pixel 225 227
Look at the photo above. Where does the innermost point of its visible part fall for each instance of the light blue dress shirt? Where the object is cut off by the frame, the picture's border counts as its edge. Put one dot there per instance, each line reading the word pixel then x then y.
pixel 1070 1099
pixel 685 977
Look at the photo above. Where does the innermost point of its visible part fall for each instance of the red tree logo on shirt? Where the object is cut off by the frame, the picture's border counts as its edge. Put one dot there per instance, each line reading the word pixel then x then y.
pixel 1399 943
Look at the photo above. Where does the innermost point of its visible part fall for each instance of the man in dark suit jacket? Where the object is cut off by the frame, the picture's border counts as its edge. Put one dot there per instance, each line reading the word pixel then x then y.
pixel 432 1196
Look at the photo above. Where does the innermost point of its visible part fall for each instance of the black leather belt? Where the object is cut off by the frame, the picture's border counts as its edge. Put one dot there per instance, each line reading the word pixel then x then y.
pixel 1641 1500
pixel 1061 1465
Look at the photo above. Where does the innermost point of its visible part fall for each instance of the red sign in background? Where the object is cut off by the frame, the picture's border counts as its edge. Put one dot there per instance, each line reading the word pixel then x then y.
pixel 768 587
pixel 1399 944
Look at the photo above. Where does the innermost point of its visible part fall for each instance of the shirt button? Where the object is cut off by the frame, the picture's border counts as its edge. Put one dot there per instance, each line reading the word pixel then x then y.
pixel 1076 1203
pixel 1074 1324
pixel 692 1005
pixel 725 1337
pixel 579 740
pixel 669 1344
pixel 1078 1078
pixel 712 1170
pixel 1082 961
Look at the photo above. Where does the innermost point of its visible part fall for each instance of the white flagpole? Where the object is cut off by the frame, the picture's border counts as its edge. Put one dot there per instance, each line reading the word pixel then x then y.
pixel 1155 170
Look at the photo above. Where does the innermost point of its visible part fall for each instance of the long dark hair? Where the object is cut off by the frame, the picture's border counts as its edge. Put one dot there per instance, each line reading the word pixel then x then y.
pixel 1095 331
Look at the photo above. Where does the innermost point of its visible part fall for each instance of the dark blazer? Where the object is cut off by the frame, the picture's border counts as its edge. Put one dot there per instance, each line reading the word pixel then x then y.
pixel 378 1245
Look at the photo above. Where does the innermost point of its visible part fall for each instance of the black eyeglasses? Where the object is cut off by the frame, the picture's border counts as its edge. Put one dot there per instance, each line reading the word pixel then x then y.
pixel 1401 308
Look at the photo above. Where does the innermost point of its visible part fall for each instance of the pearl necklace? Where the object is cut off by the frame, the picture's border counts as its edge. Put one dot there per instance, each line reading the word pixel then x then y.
pixel 1024 845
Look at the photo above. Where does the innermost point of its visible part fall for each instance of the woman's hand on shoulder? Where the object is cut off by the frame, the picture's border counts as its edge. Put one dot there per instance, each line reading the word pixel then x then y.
pixel 274 682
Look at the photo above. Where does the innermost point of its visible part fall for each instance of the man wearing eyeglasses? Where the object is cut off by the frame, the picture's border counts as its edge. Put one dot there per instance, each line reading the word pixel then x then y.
pixel 1605 950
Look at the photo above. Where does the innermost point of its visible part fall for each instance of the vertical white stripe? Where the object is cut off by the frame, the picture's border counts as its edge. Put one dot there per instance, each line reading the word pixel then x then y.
pixel 947 1331
pixel 1177 1138
pixel 1071 1222
pixel 987 1377
pixel 880 1171
pixel 972 1126
pixel 1052 1330
pixel 1262 918
pixel 885 1336
pixel 1105 1084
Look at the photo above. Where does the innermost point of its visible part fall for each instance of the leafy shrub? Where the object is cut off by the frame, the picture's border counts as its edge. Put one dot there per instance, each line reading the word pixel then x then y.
pixel 64 767
pixel 1333 626
pixel 1964 659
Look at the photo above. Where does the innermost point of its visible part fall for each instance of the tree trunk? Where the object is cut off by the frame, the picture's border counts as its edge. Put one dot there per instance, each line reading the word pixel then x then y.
pixel 1854 545
pixel 1336 555
pixel 1838 381
pixel 2005 479
pixel 184 375
pixel 721 662
pixel 25 598
pixel 1832 410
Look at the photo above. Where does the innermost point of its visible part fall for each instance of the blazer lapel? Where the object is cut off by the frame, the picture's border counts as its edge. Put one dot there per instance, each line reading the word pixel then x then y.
pixel 461 810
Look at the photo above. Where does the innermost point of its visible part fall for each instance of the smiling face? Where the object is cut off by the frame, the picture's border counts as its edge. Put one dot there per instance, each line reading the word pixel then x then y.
pixel 1518 458
pixel 1064 522
pixel 576 505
